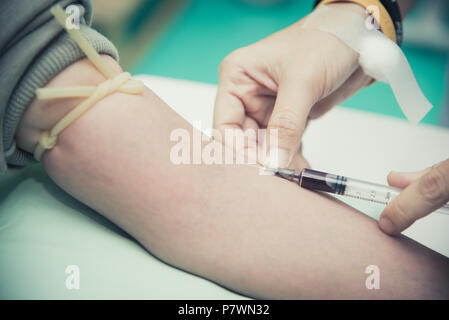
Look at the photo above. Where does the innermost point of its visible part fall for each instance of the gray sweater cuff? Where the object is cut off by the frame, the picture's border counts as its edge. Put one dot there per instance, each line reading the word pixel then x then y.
pixel 58 55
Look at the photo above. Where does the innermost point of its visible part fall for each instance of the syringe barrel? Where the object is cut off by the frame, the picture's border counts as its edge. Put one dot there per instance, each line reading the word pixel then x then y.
pixel 332 183
pixel 322 181
pixel 370 191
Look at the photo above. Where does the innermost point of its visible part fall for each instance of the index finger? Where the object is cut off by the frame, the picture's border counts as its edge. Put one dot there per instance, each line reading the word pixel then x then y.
pixel 229 111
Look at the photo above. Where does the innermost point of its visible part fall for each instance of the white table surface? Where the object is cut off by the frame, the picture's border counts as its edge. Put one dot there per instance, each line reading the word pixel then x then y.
pixel 345 141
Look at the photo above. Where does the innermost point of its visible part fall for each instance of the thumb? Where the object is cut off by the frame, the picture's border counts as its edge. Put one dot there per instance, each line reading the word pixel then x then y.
pixel 288 122
pixel 421 197
pixel 403 179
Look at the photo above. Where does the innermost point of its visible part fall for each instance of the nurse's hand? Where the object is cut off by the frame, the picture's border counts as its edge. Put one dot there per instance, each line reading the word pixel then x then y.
pixel 283 81
pixel 424 192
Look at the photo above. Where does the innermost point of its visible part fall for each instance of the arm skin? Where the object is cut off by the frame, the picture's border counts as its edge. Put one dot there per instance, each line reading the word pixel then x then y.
pixel 258 235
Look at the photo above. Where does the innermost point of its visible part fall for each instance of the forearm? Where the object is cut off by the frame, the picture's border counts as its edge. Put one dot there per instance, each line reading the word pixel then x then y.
pixel 259 235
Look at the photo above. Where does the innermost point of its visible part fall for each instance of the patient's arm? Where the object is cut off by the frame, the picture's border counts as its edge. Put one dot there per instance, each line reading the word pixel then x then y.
pixel 259 235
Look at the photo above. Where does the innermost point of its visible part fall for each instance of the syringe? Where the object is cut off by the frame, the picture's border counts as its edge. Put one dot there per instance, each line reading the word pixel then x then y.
pixel 332 183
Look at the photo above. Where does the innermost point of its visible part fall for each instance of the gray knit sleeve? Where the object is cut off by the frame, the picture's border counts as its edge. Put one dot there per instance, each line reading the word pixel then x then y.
pixel 54 50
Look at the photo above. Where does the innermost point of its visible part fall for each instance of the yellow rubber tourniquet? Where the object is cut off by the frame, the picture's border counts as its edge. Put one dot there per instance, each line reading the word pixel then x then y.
pixel 116 82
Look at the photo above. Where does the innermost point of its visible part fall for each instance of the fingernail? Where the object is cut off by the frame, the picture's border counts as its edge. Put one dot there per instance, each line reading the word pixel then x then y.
pixel 387 225
pixel 277 158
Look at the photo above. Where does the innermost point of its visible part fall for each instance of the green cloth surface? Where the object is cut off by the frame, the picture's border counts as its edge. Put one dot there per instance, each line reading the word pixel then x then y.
pixel 202 34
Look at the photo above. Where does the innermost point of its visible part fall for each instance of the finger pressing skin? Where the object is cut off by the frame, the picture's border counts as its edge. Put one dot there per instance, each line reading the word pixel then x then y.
pixel 420 198
pixel 228 111
pixel 289 118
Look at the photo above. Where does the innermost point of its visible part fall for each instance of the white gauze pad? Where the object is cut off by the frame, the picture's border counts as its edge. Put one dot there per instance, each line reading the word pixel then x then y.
pixel 379 57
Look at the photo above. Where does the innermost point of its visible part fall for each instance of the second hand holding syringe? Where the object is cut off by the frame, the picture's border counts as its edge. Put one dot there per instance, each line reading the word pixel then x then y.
pixel 332 183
